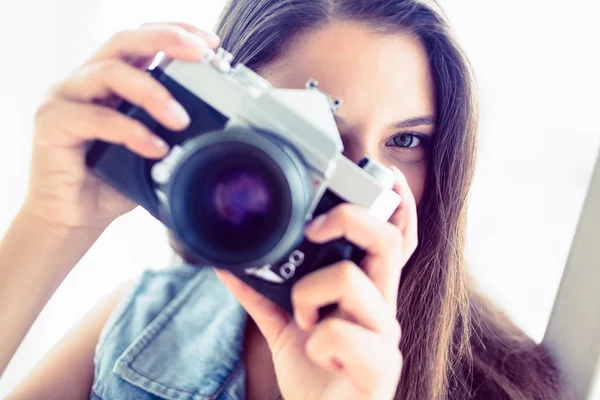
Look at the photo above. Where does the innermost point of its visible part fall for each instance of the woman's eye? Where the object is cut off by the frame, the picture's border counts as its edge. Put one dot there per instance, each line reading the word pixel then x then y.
pixel 406 140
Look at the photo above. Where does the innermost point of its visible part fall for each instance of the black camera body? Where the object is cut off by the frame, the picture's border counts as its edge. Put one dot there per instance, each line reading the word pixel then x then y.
pixel 255 165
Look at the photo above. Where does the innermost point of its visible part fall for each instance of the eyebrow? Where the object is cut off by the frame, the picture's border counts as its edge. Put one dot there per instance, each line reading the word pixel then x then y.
pixel 407 123
pixel 417 121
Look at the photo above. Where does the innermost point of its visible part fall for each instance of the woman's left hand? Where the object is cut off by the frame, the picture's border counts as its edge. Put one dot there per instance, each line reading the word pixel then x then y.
pixel 354 353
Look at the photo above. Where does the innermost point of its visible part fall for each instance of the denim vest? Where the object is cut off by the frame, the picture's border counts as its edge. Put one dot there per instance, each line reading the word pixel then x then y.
pixel 177 335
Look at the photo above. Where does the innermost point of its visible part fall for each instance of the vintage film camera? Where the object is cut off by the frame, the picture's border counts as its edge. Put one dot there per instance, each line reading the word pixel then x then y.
pixel 253 168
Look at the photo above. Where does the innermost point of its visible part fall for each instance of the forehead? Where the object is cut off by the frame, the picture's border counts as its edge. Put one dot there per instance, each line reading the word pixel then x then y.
pixel 386 76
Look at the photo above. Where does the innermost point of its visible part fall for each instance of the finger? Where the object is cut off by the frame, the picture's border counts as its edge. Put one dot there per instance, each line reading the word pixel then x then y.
pixel 405 216
pixel 357 225
pixel 85 122
pixel 382 241
pixel 270 319
pixel 210 37
pixel 372 365
pixel 357 296
pixel 144 62
pixel 114 77
pixel 174 41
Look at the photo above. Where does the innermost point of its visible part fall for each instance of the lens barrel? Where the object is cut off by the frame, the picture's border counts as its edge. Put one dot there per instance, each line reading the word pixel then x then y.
pixel 239 198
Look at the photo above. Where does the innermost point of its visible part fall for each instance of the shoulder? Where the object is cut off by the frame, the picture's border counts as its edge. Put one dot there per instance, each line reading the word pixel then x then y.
pixel 177 335
pixel 145 299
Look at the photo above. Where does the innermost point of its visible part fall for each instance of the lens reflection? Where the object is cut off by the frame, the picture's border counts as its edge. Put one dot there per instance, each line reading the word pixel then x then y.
pixel 240 197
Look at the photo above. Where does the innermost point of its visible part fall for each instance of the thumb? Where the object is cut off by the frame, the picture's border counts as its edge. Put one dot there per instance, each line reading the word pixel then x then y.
pixel 268 316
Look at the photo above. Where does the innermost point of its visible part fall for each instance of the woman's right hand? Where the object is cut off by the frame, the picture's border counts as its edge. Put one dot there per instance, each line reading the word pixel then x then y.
pixel 62 190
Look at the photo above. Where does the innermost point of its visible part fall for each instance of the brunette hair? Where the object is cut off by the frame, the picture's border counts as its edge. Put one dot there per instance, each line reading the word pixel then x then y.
pixel 455 344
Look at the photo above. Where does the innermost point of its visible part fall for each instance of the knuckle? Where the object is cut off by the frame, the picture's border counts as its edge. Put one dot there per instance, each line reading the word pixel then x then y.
pixel 347 272
pixel 396 332
pixel 314 344
pixel 120 127
pixel 107 68
pixel 105 119
pixel 414 243
pixel 414 237
pixel 121 36
pixel 297 294
pixel 105 115
pixel 44 112
pixel 154 92
pixel 410 243
pixel 394 237
pixel 176 36
pixel 331 328
pixel 44 117
pixel 55 88
pixel 396 361
pixel 345 208
pixel 136 130
pixel 343 211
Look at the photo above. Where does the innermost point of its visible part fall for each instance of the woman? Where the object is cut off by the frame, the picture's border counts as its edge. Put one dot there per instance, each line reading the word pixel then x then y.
pixel 179 334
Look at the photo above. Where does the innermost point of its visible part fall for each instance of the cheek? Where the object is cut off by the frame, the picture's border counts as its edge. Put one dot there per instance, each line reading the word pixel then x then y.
pixel 416 175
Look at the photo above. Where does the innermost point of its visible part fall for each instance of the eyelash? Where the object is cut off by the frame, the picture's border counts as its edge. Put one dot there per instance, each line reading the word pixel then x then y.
pixel 423 140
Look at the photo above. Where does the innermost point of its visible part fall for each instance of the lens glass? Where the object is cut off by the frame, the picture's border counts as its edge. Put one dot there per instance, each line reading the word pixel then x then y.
pixel 239 201
pixel 240 197
pixel 234 203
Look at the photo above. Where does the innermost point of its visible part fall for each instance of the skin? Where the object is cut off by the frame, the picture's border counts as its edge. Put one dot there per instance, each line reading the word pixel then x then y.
pixel 384 81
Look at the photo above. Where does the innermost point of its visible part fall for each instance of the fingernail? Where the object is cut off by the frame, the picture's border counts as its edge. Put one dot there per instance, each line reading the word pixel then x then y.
pixel 197 43
pixel 178 113
pixel 316 224
pixel 159 144
pixel 305 321
pixel 299 320
pixel 213 37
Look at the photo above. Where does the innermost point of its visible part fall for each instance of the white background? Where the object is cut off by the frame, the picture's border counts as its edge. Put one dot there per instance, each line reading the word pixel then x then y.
pixel 537 64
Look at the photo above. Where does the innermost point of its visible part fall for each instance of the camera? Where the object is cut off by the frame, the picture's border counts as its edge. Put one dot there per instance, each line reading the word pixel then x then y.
pixel 241 182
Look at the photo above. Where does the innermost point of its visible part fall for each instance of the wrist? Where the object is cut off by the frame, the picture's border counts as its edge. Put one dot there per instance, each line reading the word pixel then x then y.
pixel 34 218
pixel 57 247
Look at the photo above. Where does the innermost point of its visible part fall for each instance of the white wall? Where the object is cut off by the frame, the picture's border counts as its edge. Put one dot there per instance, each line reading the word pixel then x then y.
pixel 537 66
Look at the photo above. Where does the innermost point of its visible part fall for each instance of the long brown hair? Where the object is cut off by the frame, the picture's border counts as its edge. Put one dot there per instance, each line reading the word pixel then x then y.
pixel 455 345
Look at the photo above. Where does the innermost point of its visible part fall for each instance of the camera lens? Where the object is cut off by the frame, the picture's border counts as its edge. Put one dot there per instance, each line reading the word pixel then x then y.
pixel 239 198
pixel 237 205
